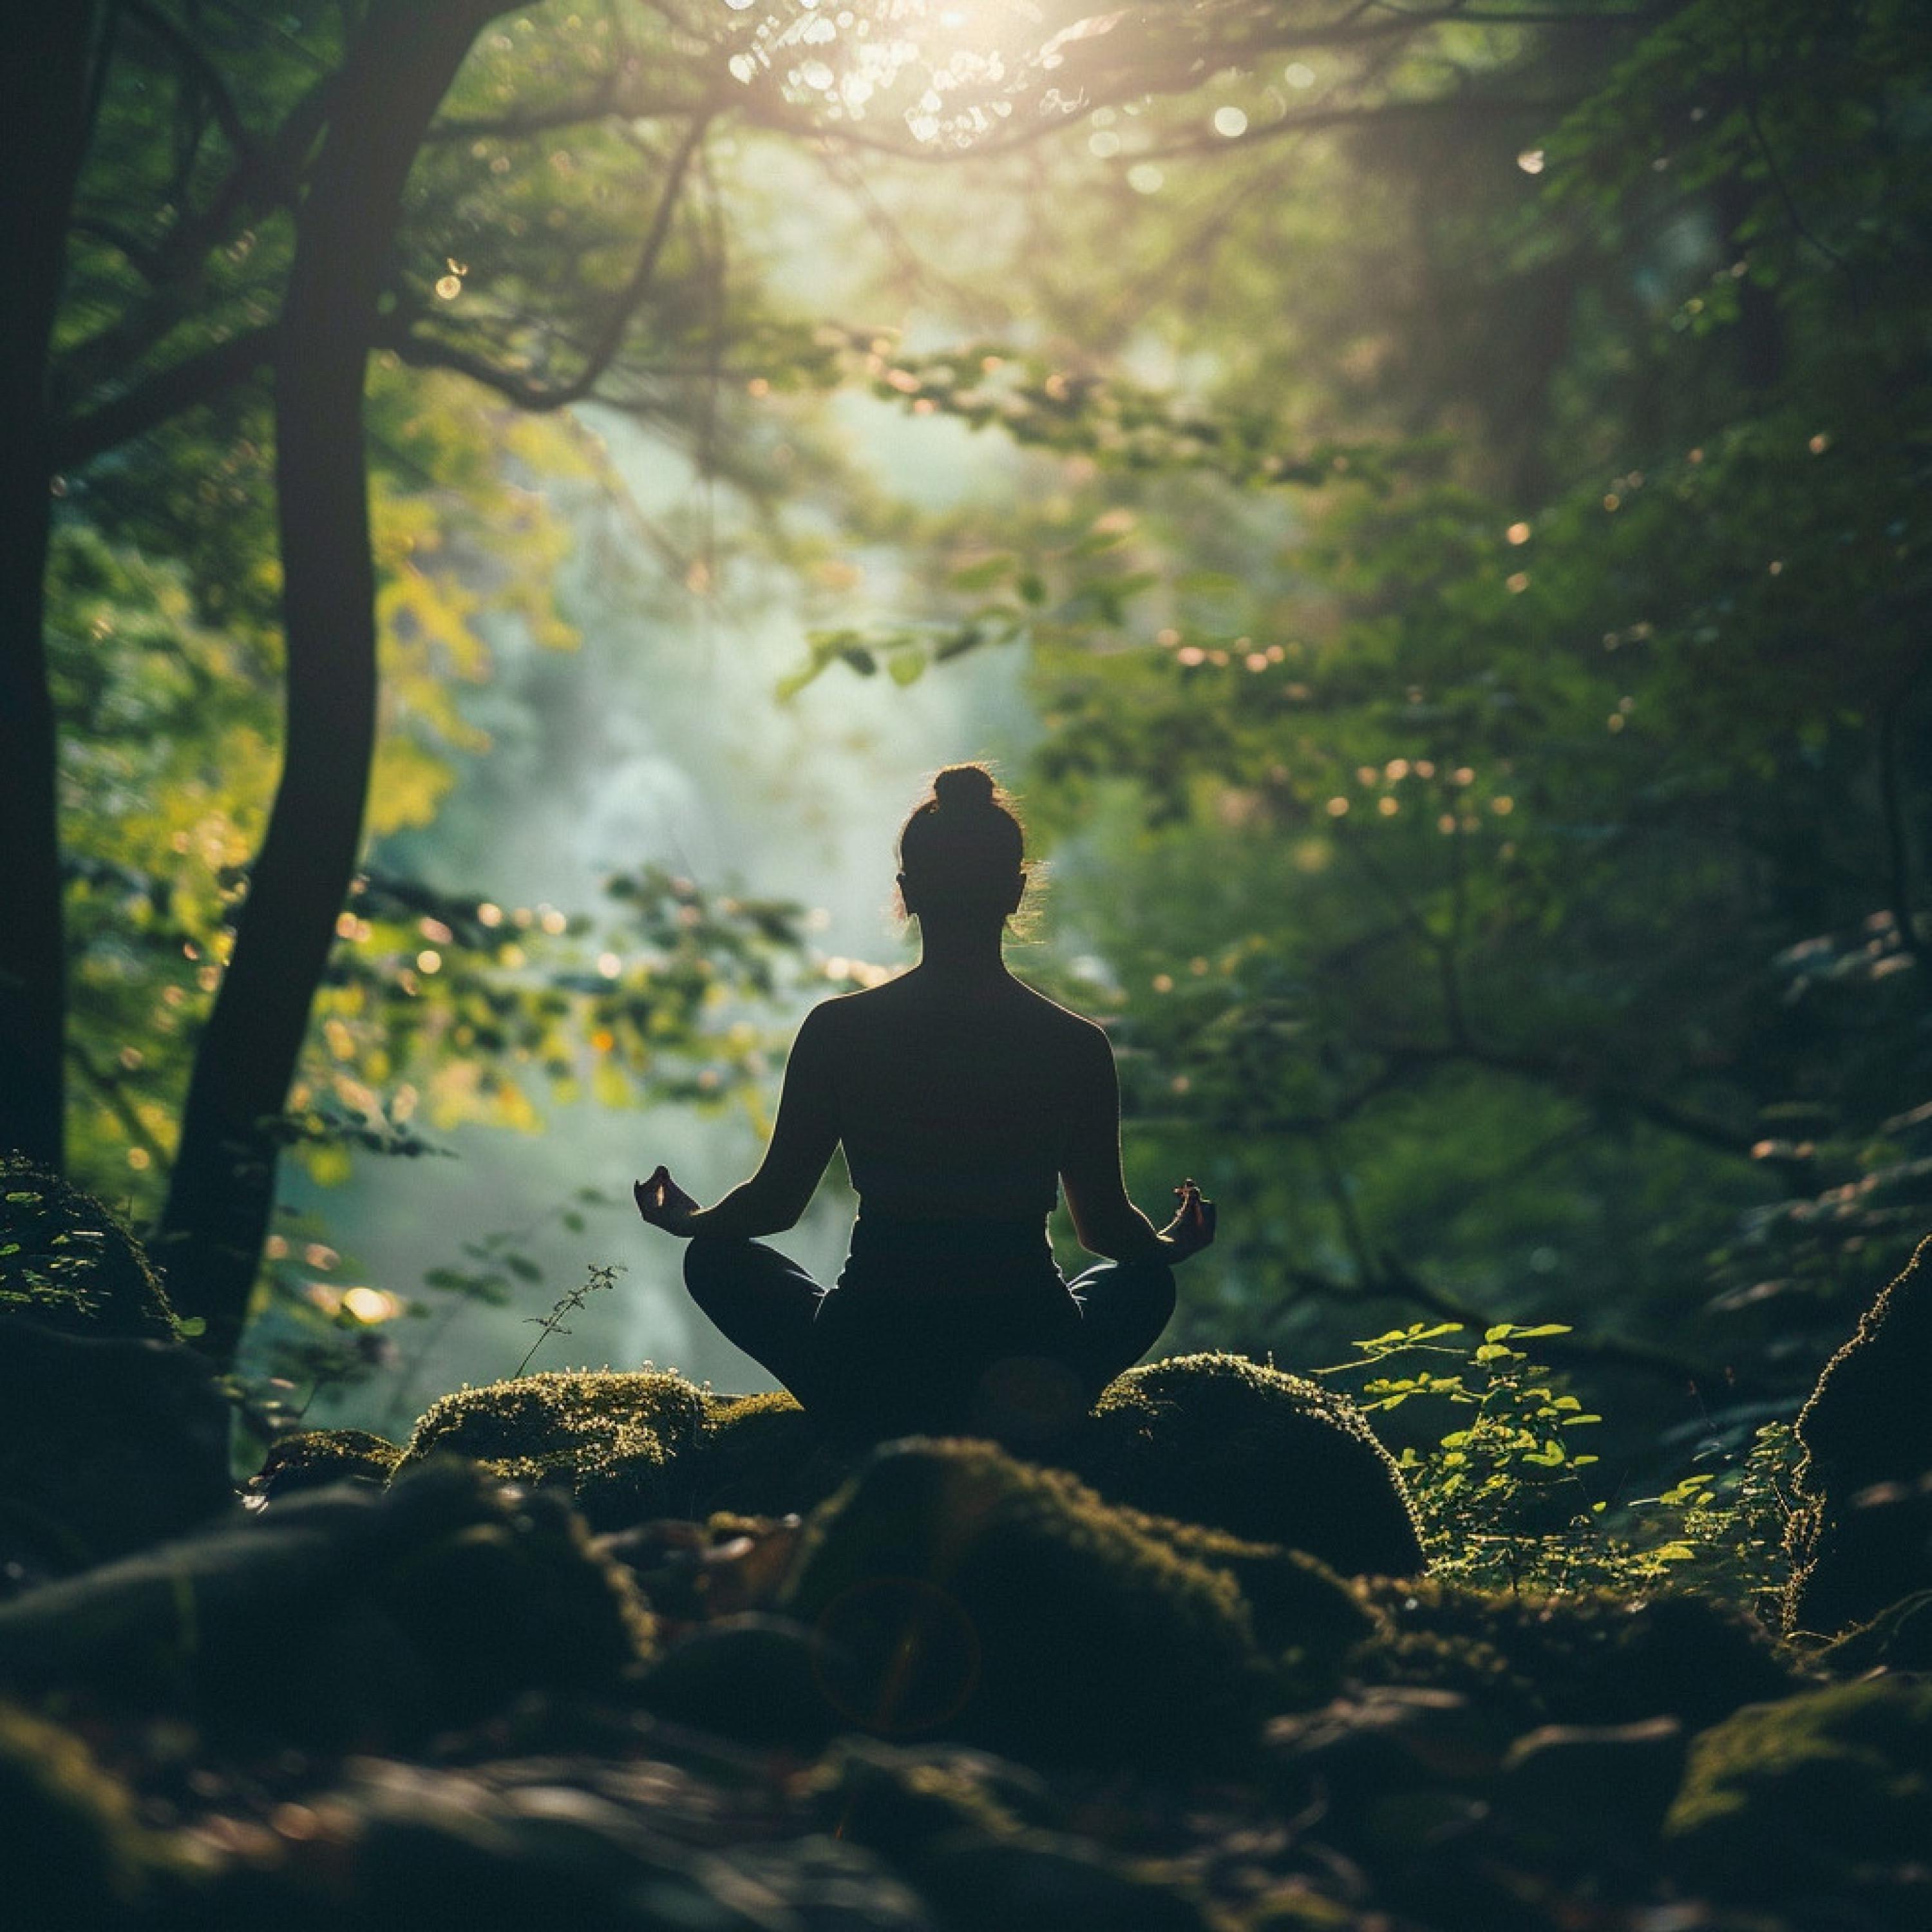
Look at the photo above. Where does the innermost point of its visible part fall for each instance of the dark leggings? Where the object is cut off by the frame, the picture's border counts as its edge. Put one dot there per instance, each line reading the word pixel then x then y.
pixel 1020 1358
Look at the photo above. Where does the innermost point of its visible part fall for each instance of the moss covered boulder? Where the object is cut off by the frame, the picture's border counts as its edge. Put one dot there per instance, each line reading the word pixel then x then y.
pixel 1212 1439
pixel 112 1433
pixel 1860 1537
pixel 67 1263
pixel 1822 1800
pixel 74 1852
pixel 1220 1440
pixel 950 1587
pixel 312 1459
pixel 629 1447
pixel 1592 1657
pixel 346 1615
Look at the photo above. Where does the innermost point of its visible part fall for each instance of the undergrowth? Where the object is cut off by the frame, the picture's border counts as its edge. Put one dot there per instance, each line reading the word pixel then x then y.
pixel 1502 1493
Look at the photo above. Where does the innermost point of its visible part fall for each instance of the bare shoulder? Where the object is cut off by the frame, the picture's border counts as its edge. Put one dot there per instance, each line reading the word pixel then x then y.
pixel 1080 1039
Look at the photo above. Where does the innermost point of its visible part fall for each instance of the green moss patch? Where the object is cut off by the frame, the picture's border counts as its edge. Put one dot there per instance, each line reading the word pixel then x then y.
pixel 1830 1793
pixel 66 1262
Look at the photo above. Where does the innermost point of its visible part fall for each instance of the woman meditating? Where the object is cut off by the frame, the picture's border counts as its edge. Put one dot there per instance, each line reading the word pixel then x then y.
pixel 961 1097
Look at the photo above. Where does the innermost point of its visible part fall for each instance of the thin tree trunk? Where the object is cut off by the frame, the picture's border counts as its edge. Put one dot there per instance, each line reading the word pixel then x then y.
pixel 223 1187
pixel 45 80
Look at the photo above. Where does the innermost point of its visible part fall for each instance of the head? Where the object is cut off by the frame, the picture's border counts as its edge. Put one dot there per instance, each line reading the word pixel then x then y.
pixel 961 853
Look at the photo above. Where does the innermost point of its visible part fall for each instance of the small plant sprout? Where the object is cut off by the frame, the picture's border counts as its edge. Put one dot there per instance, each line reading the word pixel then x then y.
pixel 597 1276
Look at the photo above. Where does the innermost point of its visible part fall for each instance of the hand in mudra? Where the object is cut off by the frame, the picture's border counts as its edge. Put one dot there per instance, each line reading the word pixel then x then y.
pixel 663 1203
pixel 1193 1228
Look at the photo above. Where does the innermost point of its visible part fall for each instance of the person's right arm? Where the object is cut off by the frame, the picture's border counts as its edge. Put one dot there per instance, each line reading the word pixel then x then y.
pixel 1106 1220
pixel 803 1137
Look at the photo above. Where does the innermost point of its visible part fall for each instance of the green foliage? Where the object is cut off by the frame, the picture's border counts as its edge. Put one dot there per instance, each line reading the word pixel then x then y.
pixel 1491 1488
pixel 1503 1504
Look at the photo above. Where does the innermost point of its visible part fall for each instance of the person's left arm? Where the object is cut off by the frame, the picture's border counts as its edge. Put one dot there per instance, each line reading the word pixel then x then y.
pixel 802 1139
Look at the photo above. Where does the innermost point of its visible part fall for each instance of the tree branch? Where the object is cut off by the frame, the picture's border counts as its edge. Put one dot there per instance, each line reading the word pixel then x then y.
pixel 397 332
pixel 196 379
pixel 197 65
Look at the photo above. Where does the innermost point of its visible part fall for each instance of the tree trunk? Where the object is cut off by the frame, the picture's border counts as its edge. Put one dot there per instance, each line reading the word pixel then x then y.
pixel 45 80
pixel 223 1187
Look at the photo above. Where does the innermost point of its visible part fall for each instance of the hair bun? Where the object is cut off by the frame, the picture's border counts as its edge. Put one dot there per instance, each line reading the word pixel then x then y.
pixel 963 787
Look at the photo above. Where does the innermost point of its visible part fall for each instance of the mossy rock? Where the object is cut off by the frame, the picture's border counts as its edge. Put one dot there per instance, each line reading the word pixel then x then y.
pixel 1861 1536
pixel 107 1444
pixel 344 1616
pixel 67 1263
pixel 1219 1440
pixel 1212 1439
pixel 1899 1638
pixel 73 1851
pixel 313 1458
pixel 1826 1796
pixel 631 1446
pixel 1584 1656
pixel 950 1589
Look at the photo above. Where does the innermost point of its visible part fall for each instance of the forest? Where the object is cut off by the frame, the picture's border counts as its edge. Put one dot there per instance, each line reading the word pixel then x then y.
pixel 1423 502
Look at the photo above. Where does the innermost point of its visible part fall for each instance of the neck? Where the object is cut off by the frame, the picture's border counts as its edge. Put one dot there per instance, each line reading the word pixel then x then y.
pixel 961 951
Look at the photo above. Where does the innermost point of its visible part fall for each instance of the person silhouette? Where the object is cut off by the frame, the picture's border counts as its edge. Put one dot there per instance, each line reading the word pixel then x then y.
pixel 961 1097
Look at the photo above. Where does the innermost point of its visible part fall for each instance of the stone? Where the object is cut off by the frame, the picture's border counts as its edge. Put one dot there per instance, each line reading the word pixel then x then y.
pixel 1824 1798
pixel 108 1443
pixel 630 1446
pixel 1595 1785
pixel 67 1263
pixel 950 1589
pixel 112 1434
pixel 752 1678
pixel 1590 1657
pixel 1861 1536
pixel 312 1459
pixel 342 1615
pixel 1219 1440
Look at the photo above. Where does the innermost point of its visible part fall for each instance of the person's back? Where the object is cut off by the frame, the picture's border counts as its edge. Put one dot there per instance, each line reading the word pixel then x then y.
pixel 954 1097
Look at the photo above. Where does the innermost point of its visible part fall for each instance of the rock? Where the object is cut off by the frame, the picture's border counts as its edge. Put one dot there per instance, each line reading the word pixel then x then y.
pixel 1219 1440
pixel 438 1848
pixel 1305 1616
pixel 67 1263
pixel 73 1853
pixel 1378 1740
pixel 1586 1656
pixel 113 1435
pixel 629 1447
pixel 897 1798
pixel 1041 1883
pixel 1899 1638
pixel 754 1679
pixel 950 1588
pixel 342 1615
pixel 693 1572
pixel 313 1458
pixel 1595 1786
pixel 1212 1439
pixel 107 1444
pixel 1822 1800
pixel 1861 1537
